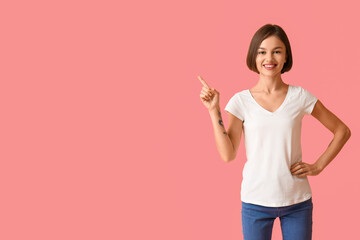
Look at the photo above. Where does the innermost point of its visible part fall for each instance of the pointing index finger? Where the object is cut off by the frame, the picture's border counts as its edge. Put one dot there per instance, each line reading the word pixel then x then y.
pixel 203 82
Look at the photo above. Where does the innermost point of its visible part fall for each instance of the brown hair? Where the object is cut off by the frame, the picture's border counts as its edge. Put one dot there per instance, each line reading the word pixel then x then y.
pixel 261 34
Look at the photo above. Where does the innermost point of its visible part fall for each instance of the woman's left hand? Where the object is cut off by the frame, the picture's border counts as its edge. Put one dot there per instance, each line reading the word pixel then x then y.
pixel 302 169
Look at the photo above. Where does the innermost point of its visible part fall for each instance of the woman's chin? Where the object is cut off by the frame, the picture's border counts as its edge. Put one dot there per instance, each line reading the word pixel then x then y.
pixel 269 74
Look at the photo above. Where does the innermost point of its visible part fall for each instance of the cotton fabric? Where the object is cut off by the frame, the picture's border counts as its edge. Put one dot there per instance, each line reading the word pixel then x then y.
pixel 272 144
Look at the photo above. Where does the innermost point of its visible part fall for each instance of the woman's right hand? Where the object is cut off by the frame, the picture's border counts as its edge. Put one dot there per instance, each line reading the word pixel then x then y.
pixel 209 96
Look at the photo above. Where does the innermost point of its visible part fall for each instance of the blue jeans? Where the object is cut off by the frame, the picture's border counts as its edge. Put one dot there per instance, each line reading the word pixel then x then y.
pixel 296 221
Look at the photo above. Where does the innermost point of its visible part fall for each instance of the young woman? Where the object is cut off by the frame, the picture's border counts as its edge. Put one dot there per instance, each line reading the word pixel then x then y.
pixel 275 180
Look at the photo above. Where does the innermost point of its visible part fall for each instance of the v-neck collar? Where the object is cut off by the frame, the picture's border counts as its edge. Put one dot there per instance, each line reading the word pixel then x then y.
pixel 279 108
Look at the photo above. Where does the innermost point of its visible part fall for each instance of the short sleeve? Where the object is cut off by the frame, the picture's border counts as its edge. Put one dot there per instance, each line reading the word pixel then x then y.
pixel 308 101
pixel 234 106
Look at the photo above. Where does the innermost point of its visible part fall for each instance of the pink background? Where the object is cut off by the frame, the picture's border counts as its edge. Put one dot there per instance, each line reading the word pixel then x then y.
pixel 103 134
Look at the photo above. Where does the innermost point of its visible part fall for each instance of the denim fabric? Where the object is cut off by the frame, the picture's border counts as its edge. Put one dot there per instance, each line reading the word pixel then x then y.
pixel 296 221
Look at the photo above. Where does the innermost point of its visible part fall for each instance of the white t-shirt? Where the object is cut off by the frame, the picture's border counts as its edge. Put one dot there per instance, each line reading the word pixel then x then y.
pixel 273 144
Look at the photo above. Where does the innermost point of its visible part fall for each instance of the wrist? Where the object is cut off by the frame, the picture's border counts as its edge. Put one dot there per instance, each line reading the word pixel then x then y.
pixel 214 109
pixel 319 166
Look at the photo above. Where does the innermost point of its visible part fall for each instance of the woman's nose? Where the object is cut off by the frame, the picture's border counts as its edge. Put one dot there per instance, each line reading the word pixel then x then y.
pixel 269 56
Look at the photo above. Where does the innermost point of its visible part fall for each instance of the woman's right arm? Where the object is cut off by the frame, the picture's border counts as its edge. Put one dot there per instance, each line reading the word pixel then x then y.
pixel 228 142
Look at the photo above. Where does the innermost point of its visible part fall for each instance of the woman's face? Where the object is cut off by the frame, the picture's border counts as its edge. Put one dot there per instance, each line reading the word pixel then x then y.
pixel 271 56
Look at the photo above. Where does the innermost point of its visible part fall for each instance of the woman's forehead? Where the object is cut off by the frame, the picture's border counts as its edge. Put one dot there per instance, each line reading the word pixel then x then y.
pixel 271 42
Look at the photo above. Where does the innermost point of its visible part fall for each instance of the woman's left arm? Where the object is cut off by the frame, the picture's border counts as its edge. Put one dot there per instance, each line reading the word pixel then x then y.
pixel 341 136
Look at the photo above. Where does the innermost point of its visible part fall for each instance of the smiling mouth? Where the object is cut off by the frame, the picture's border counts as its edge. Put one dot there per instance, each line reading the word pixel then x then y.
pixel 269 65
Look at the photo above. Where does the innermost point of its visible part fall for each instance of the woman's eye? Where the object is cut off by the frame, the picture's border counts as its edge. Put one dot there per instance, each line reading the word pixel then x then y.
pixel 262 52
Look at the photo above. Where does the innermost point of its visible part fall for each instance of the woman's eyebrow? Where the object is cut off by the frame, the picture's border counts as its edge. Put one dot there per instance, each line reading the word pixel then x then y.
pixel 273 49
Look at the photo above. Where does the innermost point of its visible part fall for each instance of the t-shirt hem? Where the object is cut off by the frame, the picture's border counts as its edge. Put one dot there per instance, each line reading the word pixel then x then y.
pixel 278 204
pixel 234 113
pixel 312 106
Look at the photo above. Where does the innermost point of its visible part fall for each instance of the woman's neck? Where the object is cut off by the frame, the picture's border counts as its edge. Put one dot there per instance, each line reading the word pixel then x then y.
pixel 269 84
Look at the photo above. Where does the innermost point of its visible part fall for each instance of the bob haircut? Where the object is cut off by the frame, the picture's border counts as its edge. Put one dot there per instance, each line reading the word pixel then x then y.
pixel 261 34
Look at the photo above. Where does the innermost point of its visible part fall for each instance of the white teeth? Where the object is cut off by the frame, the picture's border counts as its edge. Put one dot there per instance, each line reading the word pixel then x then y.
pixel 269 65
